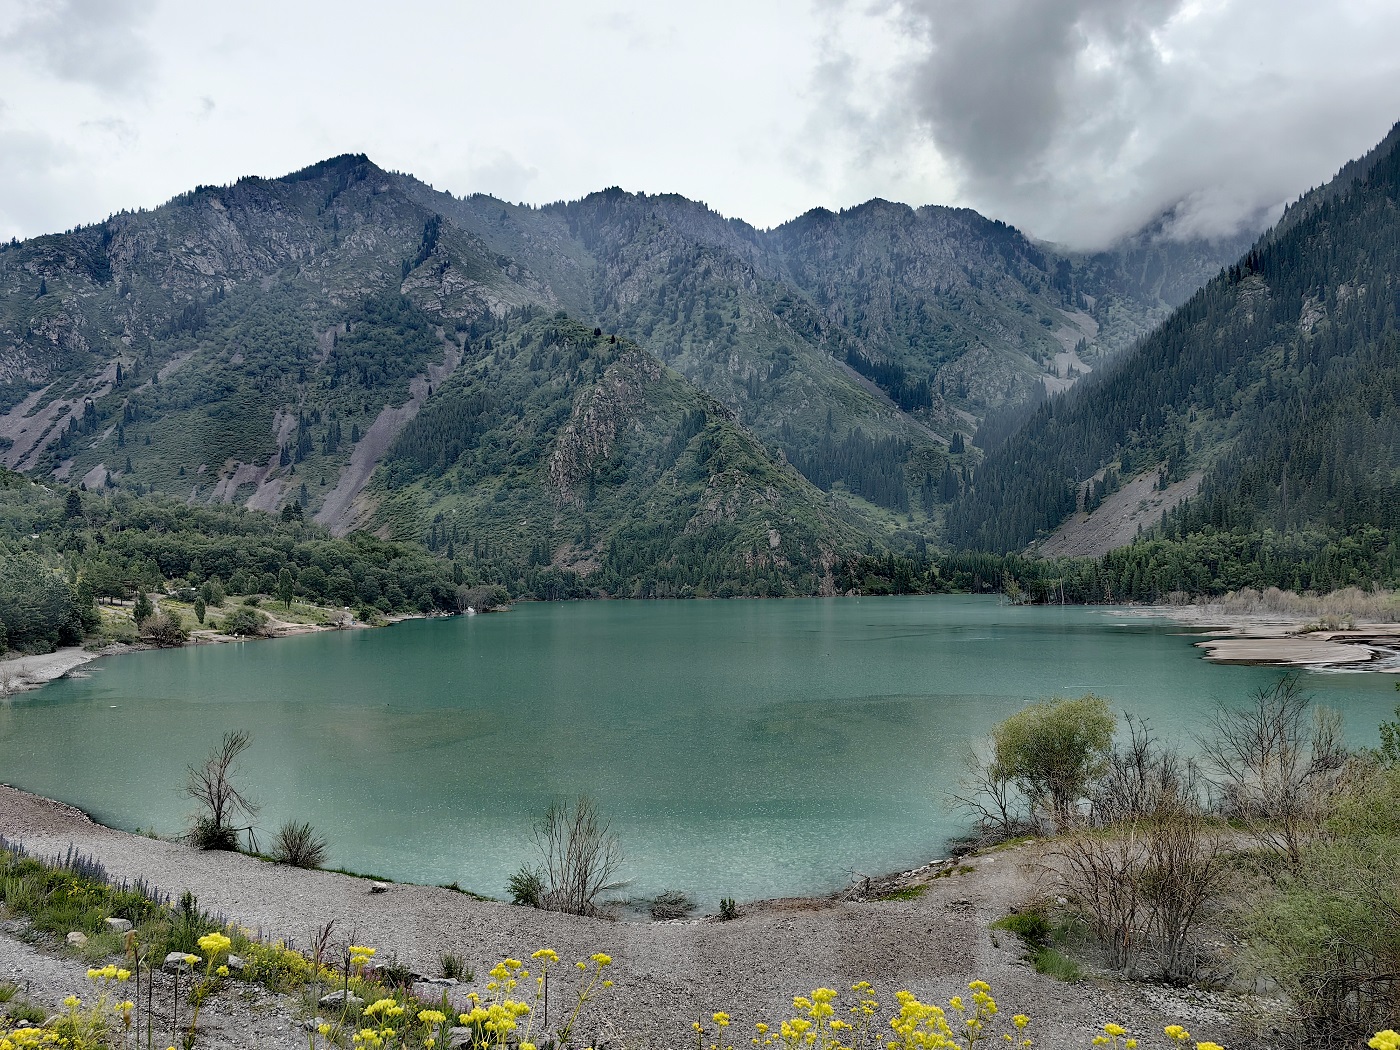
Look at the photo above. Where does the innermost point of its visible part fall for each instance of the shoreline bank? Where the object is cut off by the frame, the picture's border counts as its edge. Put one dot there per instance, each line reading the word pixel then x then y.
pixel 667 973
pixel 27 672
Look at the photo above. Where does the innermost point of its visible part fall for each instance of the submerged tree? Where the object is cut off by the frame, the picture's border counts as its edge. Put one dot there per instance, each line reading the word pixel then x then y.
pixel 581 856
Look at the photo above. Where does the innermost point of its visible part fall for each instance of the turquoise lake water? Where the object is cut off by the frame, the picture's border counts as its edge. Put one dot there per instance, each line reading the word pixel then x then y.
pixel 741 748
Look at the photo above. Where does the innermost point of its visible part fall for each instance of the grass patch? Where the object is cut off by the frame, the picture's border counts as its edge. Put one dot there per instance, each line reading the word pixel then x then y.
pixel 905 893
pixel 1041 934
pixel 466 893
pixel 948 873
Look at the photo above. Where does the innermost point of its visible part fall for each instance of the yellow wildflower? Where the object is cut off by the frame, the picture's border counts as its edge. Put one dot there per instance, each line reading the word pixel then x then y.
pixel 214 944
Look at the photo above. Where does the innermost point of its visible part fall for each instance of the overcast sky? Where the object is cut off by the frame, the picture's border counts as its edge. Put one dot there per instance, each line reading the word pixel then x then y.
pixel 1077 120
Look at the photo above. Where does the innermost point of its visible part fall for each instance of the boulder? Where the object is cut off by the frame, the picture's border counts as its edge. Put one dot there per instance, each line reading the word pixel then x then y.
pixel 340 1000
pixel 235 963
pixel 460 1037
pixel 119 925
pixel 76 939
pixel 177 962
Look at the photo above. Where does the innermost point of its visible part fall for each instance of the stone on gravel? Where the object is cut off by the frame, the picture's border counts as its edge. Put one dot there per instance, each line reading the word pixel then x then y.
pixel 460 1037
pixel 379 887
pixel 314 1024
pixel 340 1000
pixel 178 962
pixel 119 925
pixel 76 939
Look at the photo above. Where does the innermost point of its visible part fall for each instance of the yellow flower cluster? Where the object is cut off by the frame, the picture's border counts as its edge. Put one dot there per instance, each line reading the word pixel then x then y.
pixel 1387 1040
pixel 497 1017
pixel 360 956
pixel 1115 1035
pixel 108 974
pixel 31 1039
pixel 214 944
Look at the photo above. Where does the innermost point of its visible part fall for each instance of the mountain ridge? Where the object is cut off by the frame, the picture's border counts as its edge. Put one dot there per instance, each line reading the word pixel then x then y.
pixel 272 341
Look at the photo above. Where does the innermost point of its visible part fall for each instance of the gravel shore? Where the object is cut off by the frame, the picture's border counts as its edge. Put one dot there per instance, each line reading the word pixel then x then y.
pixel 667 973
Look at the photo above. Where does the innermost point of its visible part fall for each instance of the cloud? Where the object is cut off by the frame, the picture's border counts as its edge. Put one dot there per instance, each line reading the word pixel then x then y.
pixel 1083 120
pixel 502 176
pixel 36 171
pixel 95 42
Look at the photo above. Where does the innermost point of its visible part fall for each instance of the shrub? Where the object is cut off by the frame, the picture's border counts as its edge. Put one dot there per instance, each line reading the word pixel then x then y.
pixel 211 785
pixel 526 887
pixel 1327 930
pixel 207 835
pixel 581 856
pixel 454 967
pixel 164 630
pixel 1278 765
pixel 671 904
pixel 244 622
pixel 728 909
pixel 297 844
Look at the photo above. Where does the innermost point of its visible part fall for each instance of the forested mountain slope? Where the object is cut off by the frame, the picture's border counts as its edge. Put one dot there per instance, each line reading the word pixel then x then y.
pixel 586 452
pixel 283 341
pixel 1280 379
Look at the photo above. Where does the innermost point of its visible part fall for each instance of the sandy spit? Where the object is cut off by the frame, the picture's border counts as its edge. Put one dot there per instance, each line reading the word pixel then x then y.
pixel 1278 640
pixel 670 973
pixel 21 673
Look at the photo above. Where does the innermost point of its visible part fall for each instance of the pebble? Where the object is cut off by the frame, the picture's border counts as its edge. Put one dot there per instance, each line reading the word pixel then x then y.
pixel 340 1000
pixel 379 887
pixel 118 925
pixel 76 939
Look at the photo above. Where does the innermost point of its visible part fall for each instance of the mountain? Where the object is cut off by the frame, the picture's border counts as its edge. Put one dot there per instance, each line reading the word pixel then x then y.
pixel 1274 392
pixel 389 356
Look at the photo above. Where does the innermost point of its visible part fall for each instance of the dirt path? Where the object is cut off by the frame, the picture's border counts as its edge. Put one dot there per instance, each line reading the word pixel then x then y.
pixel 667 974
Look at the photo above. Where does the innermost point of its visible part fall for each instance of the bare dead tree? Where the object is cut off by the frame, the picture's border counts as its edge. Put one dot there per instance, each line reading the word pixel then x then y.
pixel 581 855
pixel 1102 876
pixel 211 785
pixel 987 792
pixel 1277 764
pixel 1185 871
pixel 1146 881
pixel 1141 777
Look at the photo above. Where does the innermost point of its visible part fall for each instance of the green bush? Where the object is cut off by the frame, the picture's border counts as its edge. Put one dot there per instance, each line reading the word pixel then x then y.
pixel 1053 749
pixel 526 887
pixel 206 834
pixel 298 844
pixel 244 622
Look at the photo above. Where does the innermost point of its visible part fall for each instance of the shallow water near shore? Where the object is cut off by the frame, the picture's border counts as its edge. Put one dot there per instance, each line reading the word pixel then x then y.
pixel 742 749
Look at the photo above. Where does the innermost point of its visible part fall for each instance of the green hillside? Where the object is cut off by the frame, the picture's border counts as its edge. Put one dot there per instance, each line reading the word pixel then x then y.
pixel 579 457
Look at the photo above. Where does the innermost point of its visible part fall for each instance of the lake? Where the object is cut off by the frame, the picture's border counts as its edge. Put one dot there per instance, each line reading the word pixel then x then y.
pixel 742 748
